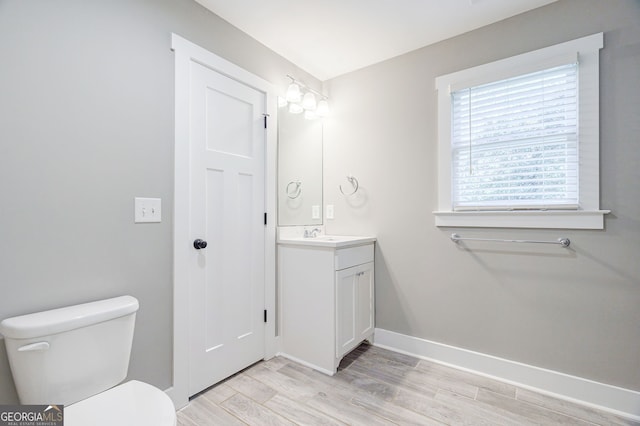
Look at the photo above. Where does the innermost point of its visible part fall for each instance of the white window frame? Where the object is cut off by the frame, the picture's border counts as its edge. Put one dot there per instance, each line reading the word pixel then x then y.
pixel 588 215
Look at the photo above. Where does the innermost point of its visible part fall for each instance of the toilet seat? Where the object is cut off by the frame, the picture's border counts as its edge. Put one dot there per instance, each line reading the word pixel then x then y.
pixel 132 403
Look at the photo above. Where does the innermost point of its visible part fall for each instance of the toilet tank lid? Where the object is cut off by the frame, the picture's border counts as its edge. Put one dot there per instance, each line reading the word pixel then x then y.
pixel 59 320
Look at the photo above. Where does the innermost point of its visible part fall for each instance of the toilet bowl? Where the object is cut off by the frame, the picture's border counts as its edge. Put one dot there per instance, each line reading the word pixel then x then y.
pixel 77 356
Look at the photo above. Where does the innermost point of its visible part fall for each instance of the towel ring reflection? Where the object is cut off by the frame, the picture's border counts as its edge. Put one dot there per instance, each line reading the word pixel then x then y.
pixel 296 191
pixel 354 183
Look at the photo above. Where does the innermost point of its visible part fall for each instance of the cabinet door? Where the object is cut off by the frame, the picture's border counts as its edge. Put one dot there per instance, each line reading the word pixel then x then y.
pixel 354 307
pixel 364 301
pixel 346 310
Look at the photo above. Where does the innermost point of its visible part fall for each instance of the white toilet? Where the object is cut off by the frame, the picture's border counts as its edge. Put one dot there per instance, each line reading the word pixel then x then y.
pixel 77 356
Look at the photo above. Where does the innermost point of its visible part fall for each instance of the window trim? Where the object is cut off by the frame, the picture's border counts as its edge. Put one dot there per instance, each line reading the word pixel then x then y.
pixel 588 215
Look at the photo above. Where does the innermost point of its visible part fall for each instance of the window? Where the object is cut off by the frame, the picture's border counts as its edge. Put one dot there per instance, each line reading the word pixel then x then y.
pixel 514 142
pixel 519 141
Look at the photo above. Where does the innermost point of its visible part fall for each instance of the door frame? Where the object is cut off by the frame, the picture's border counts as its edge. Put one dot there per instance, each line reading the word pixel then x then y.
pixel 185 53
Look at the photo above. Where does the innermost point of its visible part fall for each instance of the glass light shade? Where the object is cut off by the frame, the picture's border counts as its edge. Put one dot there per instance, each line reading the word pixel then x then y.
pixel 310 115
pixel 309 101
pixel 282 102
pixel 295 109
pixel 293 93
pixel 323 108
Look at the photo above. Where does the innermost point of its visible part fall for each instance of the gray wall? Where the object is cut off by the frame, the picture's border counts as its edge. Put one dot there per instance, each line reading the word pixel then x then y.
pixel 86 124
pixel 576 311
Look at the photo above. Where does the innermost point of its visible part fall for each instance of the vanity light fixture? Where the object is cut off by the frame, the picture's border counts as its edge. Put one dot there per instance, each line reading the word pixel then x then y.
pixel 309 101
pixel 301 97
pixel 323 108
pixel 293 92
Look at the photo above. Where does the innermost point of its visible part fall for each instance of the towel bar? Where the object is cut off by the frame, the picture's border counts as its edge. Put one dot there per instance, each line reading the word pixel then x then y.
pixel 564 242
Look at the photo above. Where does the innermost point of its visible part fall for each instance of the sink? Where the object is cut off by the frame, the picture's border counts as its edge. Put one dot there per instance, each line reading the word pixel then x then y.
pixel 334 241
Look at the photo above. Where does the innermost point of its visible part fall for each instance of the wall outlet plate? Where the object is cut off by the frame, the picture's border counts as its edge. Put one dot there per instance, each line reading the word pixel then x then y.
pixel 315 212
pixel 147 210
pixel 329 211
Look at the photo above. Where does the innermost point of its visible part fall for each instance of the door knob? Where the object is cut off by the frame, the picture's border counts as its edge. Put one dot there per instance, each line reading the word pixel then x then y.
pixel 199 244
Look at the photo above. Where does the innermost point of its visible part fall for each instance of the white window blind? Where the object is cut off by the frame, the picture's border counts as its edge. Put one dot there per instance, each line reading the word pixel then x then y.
pixel 515 142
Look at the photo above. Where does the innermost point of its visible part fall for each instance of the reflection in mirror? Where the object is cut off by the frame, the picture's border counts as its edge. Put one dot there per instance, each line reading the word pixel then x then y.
pixel 299 170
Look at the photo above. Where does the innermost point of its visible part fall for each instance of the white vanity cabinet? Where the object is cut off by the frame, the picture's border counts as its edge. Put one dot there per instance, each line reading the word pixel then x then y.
pixel 327 299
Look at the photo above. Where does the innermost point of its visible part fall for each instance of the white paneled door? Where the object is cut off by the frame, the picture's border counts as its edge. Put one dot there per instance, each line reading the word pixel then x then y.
pixel 226 278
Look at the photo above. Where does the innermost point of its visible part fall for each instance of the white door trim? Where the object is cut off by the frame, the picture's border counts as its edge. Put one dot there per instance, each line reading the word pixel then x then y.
pixel 185 53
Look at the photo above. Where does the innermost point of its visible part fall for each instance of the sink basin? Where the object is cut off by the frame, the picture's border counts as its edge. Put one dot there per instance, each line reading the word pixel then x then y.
pixel 328 240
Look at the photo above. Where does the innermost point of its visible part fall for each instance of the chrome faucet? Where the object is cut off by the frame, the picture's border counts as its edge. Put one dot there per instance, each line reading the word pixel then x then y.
pixel 311 234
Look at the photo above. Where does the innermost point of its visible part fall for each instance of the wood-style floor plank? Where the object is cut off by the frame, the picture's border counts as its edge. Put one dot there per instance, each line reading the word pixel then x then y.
pixel 285 385
pixel 375 386
pixel 203 412
pixel 525 412
pixel 444 413
pixel 253 413
pixel 251 387
pixel 300 413
pixel 454 374
pixel 394 413
pixel 219 393
pixel 340 408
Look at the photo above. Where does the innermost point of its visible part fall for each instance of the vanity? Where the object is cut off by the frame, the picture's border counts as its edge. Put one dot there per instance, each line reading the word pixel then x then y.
pixel 325 283
pixel 326 288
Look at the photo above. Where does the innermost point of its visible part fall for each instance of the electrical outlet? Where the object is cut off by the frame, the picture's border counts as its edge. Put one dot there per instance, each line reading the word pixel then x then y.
pixel 315 212
pixel 330 211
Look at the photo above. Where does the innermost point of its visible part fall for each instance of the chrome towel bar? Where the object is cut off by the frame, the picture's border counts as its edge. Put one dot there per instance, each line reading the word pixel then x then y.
pixel 564 242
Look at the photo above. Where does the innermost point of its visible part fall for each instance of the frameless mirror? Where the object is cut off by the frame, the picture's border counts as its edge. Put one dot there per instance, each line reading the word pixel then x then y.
pixel 299 170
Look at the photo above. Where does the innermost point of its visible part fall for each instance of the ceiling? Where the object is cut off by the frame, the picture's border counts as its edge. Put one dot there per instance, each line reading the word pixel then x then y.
pixel 328 38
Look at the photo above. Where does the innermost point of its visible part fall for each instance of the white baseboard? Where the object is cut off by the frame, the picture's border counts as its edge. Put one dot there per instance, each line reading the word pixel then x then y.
pixel 620 401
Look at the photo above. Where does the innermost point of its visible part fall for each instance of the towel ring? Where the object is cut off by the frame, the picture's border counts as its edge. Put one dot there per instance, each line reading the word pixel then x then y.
pixel 354 182
pixel 296 191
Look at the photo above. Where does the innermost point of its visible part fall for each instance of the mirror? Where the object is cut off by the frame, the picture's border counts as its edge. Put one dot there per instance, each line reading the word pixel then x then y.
pixel 299 170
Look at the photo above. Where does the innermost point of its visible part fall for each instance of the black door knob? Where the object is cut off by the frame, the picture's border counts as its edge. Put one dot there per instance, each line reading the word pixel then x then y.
pixel 199 244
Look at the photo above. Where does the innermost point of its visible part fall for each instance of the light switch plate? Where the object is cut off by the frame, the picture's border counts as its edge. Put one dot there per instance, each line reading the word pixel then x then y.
pixel 148 210
pixel 330 211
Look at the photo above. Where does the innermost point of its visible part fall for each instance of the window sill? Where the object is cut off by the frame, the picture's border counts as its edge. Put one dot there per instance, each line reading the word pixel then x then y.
pixel 550 219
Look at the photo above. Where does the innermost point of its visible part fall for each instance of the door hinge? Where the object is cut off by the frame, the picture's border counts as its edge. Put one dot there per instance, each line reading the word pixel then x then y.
pixel 265 218
pixel 265 120
pixel 265 315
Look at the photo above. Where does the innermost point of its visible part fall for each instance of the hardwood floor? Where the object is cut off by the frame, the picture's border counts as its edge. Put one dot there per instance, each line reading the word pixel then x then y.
pixel 378 387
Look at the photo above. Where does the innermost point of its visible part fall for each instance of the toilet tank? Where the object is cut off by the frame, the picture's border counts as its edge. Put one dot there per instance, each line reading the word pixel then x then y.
pixel 65 355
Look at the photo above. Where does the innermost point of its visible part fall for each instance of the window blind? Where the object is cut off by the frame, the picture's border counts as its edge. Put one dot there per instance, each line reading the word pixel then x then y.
pixel 515 142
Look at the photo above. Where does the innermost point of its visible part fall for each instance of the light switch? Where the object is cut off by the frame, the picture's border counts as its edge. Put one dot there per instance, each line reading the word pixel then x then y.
pixel 330 211
pixel 315 212
pixel 148 210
